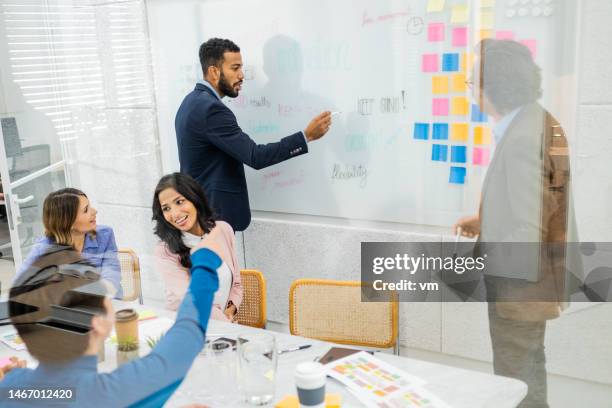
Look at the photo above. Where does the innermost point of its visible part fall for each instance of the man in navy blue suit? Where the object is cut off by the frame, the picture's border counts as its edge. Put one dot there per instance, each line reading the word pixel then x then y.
pixel 212 147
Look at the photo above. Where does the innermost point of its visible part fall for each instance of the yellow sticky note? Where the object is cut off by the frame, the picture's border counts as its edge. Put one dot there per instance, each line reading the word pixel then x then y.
pixel 487 19
pixel 290 401
pixel 466 61
pixel 439 85
pixel 482 135
pixel 460 14
pixel 435 5
pixel 460 132
pixel 458 83
pixel 487 3
pixel 460 106
pixel 484 34
pixel 333 400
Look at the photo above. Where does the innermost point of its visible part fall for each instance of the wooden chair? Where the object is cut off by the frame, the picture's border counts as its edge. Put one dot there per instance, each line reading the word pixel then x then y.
pixel 130 275
pixel 333 311
pixel 252 310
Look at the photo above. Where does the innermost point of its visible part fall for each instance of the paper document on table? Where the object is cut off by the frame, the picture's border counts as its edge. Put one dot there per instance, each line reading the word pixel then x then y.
pixel 13 340
pixel 381 385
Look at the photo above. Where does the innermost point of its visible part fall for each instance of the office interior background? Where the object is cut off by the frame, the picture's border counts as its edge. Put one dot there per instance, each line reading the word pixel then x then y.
pixel 88 92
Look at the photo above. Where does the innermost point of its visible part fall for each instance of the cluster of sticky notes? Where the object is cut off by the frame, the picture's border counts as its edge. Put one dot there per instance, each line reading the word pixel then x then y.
pixel 436 32
pixel 441 84
pixel 450 62
pixel 457 105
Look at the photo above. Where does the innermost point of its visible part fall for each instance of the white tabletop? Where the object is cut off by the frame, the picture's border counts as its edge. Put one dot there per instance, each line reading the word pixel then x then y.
pixel 457 387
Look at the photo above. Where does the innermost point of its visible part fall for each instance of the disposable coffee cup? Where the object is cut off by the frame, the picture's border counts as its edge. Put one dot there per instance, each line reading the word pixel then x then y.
pixel 310 384
pixel 126 326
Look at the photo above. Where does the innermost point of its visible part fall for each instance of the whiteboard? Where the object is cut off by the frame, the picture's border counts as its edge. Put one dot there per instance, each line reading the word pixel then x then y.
pixel 365 59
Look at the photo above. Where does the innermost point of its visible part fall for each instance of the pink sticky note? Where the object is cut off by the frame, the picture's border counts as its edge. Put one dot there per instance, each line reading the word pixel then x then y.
pixel 460 37
pixel 504 35
pixel 430 63
pixel 435 32
pixel 439 107
pixel 480 156
pixel 532 45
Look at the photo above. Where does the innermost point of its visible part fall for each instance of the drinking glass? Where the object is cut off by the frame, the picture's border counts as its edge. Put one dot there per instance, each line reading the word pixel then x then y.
pixel 220 366
pixel 257 359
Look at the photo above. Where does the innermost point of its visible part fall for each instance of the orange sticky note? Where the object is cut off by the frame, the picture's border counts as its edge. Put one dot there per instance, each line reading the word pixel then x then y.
pixel 460 106
pixel 482 135
pixel 439 85
pixel 484 34
pixel 460 132
pixel 458 83
pixel 290 401
pixel 333 400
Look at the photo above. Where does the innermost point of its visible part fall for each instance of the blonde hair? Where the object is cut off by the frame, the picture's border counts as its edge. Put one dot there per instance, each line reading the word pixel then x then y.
pixel 60 211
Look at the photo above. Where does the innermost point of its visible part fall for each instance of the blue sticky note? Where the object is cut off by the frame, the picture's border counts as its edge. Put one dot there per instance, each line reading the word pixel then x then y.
pixel 457 175
pixel 439 152
pixel 478 115
pixel 458 154
pixel 450 62
pixel 440 131
pixel 421 131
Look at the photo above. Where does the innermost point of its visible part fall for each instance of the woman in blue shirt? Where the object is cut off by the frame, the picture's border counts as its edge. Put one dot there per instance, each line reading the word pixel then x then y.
pixel 70 220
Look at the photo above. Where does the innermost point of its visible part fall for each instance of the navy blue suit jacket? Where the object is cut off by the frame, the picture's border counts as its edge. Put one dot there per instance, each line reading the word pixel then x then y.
pixel 213 150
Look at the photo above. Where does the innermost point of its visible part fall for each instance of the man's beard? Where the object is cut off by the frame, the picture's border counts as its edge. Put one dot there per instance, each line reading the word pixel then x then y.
pixel 226 88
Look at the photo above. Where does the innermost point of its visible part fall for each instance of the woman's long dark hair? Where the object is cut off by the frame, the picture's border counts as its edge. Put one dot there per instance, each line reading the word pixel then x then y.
pixel 193 192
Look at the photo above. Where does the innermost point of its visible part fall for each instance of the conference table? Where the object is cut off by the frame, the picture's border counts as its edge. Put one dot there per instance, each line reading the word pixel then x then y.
pixel 457 387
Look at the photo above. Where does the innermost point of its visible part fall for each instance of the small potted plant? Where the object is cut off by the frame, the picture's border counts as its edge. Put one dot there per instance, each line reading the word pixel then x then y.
pixel 127 350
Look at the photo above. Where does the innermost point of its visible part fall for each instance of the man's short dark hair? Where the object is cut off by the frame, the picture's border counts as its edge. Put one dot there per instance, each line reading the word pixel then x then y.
pixel 508 75
pixel 211 52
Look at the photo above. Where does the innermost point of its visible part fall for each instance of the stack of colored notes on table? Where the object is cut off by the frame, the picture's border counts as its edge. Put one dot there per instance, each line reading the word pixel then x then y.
pixel 13 340
pixel 381 385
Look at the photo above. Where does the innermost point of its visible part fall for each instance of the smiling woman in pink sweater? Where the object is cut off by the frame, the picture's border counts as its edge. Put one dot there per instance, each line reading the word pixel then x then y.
pixel 182 218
